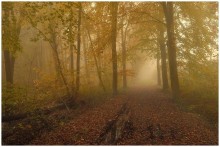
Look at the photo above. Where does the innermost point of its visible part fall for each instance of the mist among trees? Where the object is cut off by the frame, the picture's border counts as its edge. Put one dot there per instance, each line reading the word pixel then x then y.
pixel 110 73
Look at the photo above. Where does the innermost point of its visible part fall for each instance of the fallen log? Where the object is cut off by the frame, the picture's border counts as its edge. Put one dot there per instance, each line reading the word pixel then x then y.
pixel 113 130
pixel 35 112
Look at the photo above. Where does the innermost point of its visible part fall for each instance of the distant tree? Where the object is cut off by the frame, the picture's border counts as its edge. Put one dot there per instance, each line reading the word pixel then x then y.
pixel 85 43
pixel 11 26
pixel 78 49
pixel 158 69
pixel 114 11
pixel 96 62
pixel 98 38
pixel 49 31
pixel 124 32
pixel 71 37
pixel 162 46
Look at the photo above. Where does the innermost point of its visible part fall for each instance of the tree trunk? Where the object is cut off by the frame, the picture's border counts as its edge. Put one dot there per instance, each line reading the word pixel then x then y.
pixel 71 42
pixel 60 69
pixel 54 46
pixel 85 46
pixel 158 69
pixel 96 63
pixel 99 50
pixel 11 31
pixel 114 6
pixel 12 68
pixel 163 58
pixel 78 50
pixel 168 11
pixel 99 59
pixel 9 66
pixel 72 66
pixel 123 35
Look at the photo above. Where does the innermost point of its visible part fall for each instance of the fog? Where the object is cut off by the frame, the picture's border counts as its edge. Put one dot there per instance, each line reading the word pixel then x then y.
pixel 147 74
pixel 100 73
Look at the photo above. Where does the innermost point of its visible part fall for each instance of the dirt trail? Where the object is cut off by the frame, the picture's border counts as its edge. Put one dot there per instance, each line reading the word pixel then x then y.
pixel 142 117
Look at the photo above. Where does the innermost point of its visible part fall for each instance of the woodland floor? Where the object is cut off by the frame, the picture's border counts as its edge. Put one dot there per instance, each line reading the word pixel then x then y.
pixel 141 117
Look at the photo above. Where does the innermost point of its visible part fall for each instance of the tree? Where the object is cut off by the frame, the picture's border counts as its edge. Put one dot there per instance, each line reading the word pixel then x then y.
pixel 168 12
pixel 54 45
pixel 114 11
pixel 85 54
pixel 124 31
pixel 96 62
pixel 71 46
pixel 49 31
pixel 158 69
pixel 162 46
pixel 78 49
pixel 11 24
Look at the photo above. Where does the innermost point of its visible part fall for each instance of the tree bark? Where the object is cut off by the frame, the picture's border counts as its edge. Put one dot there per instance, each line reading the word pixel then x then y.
pixel 78 50
pixel 99 50
pixel 114 9
pixel 72 66
pixel 12 68
pixel 168 11
pixel 163 58
pixel 71 42
pixel 71 59
pixel 9 66
pixel 158 69
pixel 123 35
pixel 85 46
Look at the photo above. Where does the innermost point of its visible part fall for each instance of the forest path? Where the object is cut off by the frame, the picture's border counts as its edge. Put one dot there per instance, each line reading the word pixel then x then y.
pixel 142 117
pixel 157 120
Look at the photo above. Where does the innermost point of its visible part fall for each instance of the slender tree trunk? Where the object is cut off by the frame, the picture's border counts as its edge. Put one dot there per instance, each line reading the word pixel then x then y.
pixel 7 66
pixel 71 59
pixel 114 12
pixel 78 50
pixel 168 11
pixel 96 63
pixel 99 60
pixel 72 66
pixel 85 46
pixel 71 42
pixel 123 35
pixel 12 68
pixel 60 70
pixel 158 69
pixel 54 46
pixel 163 59
pixel 99 50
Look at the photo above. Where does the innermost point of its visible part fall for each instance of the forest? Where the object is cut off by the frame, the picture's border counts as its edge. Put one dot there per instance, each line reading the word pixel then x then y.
pixel 109 73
